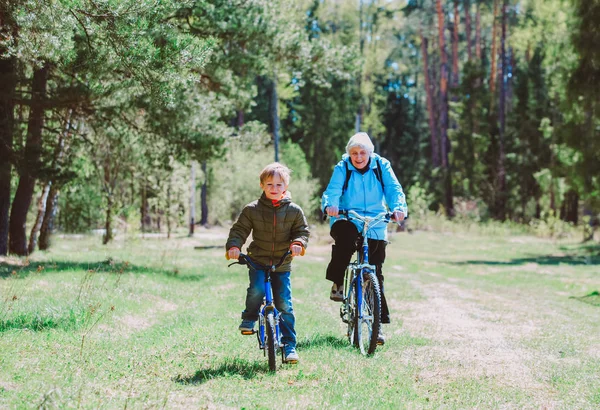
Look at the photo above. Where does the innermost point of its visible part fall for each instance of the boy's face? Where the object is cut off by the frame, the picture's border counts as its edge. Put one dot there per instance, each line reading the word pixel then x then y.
pixel 359 157
pixel 274 187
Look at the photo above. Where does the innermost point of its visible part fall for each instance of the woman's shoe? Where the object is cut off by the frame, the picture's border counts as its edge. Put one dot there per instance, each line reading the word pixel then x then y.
pixel 337 293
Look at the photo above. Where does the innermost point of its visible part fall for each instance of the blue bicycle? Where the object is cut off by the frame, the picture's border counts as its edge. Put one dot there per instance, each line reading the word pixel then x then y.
pixel 268 334
pixel 361 307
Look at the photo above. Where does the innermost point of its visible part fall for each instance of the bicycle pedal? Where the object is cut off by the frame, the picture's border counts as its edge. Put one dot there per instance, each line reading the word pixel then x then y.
pixel 247 332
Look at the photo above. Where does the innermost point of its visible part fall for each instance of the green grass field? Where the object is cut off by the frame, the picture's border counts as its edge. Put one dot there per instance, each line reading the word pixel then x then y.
pixel 478 322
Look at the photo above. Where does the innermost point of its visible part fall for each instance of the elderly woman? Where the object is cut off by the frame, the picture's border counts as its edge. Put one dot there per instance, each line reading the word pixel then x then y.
pixel 365 183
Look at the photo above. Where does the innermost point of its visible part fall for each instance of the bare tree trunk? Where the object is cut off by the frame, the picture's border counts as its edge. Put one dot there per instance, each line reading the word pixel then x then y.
pixel 203 197
pixel 478 34
pixel 467 6
pixel 31 163
pixel 435 158
pixel 456 24
pixel 274 114
pixel 192 199
pixel 501 206
pixel 443 108
pixel 41 205
pixel 494 52
pixel 108 235
pixel 48 222
pixel 443 95
pixel 146 220
pixel 169 208
pixel 240 118
pixel 8 79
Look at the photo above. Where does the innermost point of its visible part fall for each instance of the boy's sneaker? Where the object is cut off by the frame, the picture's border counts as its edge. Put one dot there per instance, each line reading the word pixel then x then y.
pixel 380 337
pixel 291 357
pixel 247 327
pixel 337 293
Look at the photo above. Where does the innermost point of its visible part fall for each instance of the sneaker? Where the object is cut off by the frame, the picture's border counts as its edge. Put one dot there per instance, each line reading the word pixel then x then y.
pixel 247 327
pixel 337 293
pixel 380 338
pixel 291 356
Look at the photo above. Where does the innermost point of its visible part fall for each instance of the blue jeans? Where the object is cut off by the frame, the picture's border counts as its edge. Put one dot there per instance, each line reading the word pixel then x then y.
pixel 282 297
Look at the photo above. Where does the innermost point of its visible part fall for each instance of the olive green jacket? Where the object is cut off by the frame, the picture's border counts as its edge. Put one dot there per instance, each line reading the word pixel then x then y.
pixel 273 228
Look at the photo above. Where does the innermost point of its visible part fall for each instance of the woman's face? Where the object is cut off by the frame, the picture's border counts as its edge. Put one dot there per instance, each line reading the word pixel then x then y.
pixel 359 157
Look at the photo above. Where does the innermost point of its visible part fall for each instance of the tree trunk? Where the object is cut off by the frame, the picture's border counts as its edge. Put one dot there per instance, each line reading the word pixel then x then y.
pixel 456 24
pixel 145 219
pixel 30 166
pixel 192 199
pixel 108 235
pixel 443 109
pixel 168 207
pixel 40 217
pixel 570 207
pixel 8 79
pixel 240 118
pixel 467 6
pixel 494 52
pixel 274 114
pixel 501 184
pixel 203 197
pixel 478 33
pixel 435 158
pixel 48 222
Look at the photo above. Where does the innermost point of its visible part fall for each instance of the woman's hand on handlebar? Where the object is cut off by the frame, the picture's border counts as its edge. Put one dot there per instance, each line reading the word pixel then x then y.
pixel 397 216
pixel 332 210
pixel 233 253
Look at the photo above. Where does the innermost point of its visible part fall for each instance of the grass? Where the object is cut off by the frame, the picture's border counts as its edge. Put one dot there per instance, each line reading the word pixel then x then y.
pixel 478 322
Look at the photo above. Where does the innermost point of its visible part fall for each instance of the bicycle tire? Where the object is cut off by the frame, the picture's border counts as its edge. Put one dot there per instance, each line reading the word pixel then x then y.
pixel 270 335
pixel 351 311
pixel 367 328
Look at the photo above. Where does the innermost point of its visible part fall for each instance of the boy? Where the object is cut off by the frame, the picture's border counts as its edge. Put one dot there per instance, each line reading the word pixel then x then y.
pixel 277 224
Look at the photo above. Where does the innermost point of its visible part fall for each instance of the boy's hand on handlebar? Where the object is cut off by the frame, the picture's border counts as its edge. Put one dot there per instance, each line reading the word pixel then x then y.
pixel 296 250
pixel 397 216
pixel 233 253
pixel 332 210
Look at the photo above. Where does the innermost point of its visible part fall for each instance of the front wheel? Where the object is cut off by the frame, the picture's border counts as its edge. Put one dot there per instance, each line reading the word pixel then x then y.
pixel 270 335
pixel 368 314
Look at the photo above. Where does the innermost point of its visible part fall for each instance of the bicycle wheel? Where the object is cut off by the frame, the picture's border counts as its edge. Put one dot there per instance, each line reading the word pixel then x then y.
pixel 351 312
pixel 270 336
pixel 369 321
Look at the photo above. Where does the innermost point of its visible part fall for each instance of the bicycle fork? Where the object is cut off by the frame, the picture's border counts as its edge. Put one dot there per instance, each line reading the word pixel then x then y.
pixel 268 307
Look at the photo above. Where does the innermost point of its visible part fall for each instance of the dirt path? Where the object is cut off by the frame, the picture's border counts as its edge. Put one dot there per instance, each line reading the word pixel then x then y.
pixel 471 337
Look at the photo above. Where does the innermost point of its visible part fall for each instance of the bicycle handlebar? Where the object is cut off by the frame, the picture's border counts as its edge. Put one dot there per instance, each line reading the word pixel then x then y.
pixel 246 260
pixel 353 214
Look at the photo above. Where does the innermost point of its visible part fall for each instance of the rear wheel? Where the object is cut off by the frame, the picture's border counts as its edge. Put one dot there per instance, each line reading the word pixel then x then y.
pixel 270 336
pixel 368 320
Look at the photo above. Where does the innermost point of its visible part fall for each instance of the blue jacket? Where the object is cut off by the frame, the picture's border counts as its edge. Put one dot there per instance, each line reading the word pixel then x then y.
pixel 364 193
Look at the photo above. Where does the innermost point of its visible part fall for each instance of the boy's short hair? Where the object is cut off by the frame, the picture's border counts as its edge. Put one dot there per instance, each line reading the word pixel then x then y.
pixel 360 139
pixel 275 169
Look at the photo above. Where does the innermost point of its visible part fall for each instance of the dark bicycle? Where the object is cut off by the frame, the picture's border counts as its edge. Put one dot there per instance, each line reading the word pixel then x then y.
pixel 268 334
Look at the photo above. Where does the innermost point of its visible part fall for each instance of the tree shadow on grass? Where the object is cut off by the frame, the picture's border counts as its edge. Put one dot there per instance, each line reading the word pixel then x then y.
pixel 584 256
pixel 231 368
pixel 22 269
pixel 591 299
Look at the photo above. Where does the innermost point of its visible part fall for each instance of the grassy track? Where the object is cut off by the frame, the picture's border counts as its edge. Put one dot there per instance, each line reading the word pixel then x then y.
pixel 478 322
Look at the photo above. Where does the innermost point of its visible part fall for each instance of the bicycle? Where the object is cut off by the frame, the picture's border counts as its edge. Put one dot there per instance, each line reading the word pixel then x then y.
pixel 268 334
pixel 361 306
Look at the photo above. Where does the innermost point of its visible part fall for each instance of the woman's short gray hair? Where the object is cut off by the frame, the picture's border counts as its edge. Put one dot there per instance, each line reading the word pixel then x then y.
pixel 360 139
